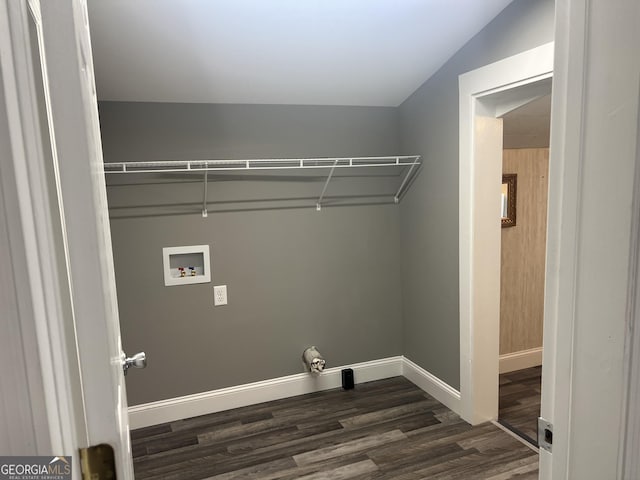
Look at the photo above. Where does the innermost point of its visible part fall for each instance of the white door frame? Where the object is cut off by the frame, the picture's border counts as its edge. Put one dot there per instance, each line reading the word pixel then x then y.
pixel 591 282
pixel 74 112
pixel 630 436
pixel 40 338
pixel 65 331
pixel 480 175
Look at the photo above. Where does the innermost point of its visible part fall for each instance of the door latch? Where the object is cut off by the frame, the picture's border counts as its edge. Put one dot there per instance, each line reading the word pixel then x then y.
pixel 545 434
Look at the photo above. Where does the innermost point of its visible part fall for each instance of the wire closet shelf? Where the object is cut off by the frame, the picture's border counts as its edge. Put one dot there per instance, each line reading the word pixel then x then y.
pixel 410 163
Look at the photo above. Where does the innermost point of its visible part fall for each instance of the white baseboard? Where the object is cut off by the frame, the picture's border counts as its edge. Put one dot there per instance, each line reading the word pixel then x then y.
pixel 188 406
pixel 251 393
pixel 510 362
pixel 431 384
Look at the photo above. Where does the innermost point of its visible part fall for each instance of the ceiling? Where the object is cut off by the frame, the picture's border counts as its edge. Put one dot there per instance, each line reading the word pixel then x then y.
pixel 304 52
pixel 528 126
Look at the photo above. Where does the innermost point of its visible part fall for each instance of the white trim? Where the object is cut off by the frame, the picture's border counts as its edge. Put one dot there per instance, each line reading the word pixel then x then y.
pixel 74 111
pixel 188 406
pixel 593 157
pixel 510 362
pixel 630 435
pixel 562 233
pixel 251 393
pixel 40 282
pixel 630 461
pixel 441 391
pixel 479 290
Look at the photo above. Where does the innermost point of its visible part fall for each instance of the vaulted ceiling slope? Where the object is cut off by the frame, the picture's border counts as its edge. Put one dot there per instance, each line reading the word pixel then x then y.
pixel 304 52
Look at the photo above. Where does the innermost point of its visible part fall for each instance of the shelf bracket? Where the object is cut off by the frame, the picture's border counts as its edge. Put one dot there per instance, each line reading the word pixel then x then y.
pixel 326 184
pixel 205 213
pixel 396 198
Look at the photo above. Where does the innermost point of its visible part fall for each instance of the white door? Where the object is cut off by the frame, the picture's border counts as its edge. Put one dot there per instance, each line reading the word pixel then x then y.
pixel 51 108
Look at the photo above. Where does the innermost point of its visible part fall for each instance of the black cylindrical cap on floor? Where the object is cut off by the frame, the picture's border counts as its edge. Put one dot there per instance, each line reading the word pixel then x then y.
pixel 347 378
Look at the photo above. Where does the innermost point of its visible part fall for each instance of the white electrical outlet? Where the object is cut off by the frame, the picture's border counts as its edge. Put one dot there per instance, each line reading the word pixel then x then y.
pixel 219 295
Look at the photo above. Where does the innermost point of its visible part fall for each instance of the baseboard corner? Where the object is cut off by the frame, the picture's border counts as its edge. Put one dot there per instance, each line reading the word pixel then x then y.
pixel 438 389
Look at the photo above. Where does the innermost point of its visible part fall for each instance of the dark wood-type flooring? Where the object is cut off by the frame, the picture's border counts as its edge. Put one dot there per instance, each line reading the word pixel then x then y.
pixel 520 402
pixel 388 429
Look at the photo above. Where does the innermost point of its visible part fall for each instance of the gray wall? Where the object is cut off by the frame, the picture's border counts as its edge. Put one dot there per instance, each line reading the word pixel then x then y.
pixel 429 212
pixel 295 277
pixel 156 131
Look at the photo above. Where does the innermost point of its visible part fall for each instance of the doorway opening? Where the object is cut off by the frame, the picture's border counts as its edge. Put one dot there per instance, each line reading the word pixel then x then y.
pixel 486 95
pixel 525 162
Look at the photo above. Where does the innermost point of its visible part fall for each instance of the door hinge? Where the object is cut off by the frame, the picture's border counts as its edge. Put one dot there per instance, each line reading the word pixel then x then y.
pixel 545 434
pixel 98 462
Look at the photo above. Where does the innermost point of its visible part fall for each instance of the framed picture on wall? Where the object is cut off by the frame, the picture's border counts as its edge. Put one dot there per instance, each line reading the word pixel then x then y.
pixel 508 199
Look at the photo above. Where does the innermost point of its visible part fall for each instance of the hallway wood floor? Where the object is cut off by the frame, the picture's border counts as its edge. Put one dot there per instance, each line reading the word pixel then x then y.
pixel 520 402
pixel 388 429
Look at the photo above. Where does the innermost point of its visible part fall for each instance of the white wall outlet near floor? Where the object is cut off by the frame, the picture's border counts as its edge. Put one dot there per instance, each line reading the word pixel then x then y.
pixel 219 295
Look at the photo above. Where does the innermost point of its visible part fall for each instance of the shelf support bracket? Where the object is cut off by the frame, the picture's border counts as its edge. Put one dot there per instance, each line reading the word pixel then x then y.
pixel 326 184
pixel 396 198
pixel 205 213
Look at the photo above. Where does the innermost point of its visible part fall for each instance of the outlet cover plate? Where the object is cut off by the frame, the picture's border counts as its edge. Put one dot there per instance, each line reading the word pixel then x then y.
pixel 219 295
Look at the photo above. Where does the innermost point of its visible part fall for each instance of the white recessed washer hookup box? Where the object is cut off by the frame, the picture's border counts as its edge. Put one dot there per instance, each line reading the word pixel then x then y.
pixel 186 265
